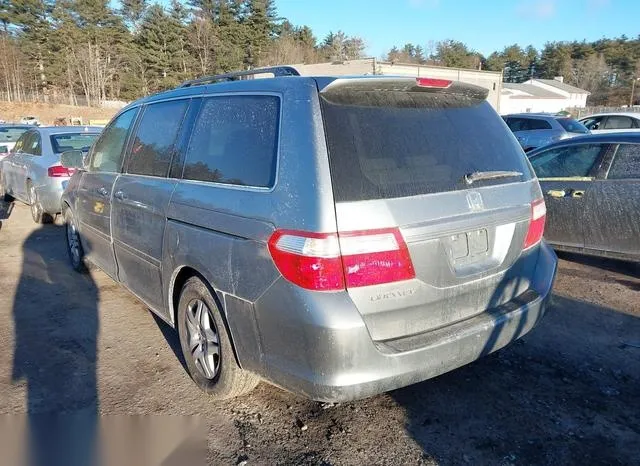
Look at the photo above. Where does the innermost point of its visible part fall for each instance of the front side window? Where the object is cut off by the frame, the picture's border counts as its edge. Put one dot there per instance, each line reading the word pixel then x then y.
pixel 235 141
pixel 153 143
pixel 107 152
pixel 567 162
pixel 626 164
pixel 592 123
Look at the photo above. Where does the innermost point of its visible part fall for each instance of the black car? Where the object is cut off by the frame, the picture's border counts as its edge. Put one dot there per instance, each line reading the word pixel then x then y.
pixel 591 186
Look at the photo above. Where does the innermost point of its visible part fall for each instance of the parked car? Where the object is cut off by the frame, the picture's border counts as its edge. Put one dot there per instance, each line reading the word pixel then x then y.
pixel 612 122
pixel 338 237
pixel 591 186
pixel 9 134
pixel 30 120
pixel 534 130
pixel 32 173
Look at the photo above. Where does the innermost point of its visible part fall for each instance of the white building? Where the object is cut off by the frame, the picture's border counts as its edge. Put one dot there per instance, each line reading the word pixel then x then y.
pixel 490 80
pixel 541 95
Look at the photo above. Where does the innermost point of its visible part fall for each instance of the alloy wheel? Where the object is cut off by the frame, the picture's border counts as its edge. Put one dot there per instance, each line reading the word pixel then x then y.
pixel 202 334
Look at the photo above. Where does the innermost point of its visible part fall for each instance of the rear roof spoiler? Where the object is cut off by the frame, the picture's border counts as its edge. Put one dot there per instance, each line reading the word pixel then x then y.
pixel 401 84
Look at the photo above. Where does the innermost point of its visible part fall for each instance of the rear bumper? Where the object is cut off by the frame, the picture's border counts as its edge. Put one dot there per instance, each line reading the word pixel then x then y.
pixel 50 194
pixel 333 358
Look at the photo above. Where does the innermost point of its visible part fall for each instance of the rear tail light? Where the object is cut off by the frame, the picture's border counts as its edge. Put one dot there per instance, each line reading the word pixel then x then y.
pixel 331 262
pixel 536 225
pixel 58 171
pixel 433 83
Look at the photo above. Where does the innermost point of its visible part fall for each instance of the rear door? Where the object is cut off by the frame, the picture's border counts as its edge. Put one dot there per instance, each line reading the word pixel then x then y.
pixel 612 219
pixel 402 160
pixel 93 208
pixel 567 177
pixel 141 197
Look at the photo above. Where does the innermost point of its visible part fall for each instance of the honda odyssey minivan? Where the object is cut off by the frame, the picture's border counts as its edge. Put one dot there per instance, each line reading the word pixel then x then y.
pixel 337 237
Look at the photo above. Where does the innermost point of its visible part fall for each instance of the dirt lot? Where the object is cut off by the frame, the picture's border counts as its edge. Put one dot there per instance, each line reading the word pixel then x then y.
pixel 567 393
pixel 47 113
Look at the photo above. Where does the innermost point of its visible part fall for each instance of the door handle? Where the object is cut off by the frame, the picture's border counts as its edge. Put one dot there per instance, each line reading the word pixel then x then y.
pixel 120 195
pixel 557 193
pixel 577 193
pixel 103 191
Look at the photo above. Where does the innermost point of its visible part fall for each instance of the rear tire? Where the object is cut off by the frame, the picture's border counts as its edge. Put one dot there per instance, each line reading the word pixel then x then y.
pixel 206 345
pixel 74 246
pixel 37 213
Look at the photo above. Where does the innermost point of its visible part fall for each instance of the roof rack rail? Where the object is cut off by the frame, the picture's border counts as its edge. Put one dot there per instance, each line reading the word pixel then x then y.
pixel 277 71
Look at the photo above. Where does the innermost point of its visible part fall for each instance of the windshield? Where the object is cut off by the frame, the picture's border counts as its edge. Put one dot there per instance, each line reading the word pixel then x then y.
pixel 72 141
pixel 396 144
pixel 572 126
pixel 11 134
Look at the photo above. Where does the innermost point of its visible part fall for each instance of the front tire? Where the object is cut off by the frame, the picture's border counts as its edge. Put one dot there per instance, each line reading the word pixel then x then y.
pixel 206 344
pixel 37 212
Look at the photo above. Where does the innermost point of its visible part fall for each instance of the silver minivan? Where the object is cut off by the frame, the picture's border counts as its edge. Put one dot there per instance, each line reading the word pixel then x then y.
pixel 337 237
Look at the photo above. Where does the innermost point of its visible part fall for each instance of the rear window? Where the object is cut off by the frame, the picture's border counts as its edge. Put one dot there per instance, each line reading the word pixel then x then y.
pixel 397 144
pixel 572 126
pixel 72 141
pixel 11 134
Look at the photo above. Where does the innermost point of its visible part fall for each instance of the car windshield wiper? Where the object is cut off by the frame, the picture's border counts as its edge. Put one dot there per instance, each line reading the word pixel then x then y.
pixel 471 178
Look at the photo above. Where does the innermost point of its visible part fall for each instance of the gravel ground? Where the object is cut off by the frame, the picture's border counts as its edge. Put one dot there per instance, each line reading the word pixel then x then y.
pixel 567 393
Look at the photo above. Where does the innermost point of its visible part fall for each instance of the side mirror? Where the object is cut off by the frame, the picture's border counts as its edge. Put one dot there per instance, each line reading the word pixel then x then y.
pixel 72 159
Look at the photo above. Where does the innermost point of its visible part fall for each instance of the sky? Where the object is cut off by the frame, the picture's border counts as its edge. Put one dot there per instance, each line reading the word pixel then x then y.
pixel 485 26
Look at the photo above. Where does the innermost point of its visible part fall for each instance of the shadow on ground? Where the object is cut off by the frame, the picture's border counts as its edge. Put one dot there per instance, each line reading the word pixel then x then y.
pixel 56 329
pixel 564 394
pixel 5 211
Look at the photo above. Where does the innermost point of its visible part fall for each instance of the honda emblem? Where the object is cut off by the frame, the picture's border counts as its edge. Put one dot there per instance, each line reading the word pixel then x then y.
pixel 474 199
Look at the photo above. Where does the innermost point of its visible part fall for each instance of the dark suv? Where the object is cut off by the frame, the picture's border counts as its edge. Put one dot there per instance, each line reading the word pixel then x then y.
pixel 338 237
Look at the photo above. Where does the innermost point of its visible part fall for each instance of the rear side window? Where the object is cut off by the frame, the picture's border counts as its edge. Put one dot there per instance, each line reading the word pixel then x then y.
pixel 398 144
pixel 626 164
pixel 572 126
pixel 567 162
pixel 536 123
pixel 618 122
pixel 235 141
pixel 32 145
pixel 153 144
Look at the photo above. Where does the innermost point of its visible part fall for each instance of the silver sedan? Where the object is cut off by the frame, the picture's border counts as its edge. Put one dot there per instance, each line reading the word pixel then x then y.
pixel 32 173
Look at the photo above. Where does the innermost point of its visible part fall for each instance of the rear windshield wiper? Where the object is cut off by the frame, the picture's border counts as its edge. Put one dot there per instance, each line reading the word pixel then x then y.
pixel 471 178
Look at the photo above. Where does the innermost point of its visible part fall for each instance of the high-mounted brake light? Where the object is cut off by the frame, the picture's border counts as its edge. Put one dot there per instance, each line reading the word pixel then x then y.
pixel 331 262
pixel 58 171
pixel 536 225
pixel 433 82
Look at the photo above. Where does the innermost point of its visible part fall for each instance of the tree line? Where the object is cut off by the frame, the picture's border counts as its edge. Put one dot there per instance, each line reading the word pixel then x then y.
pixel 606 67
pixel 57 50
